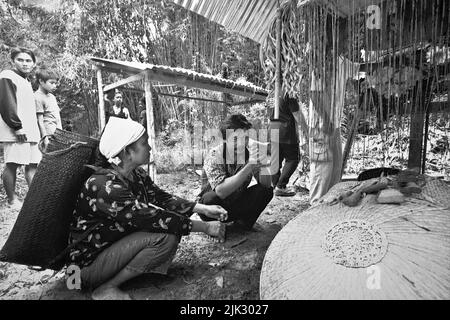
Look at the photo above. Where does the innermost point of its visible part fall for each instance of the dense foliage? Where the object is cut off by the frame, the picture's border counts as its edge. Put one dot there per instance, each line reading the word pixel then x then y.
pixel 147 31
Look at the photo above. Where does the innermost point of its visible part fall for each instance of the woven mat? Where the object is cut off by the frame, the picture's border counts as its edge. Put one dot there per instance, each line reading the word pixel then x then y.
pixel 372 251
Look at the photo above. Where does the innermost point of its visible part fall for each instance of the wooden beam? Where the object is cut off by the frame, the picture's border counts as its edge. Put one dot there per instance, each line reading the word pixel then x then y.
pixel 122 82
pixel 194 98
pixel 245 102
pixel 101 103
pixel 190 98
pixel 132 90
pixel 190 81
pixel 150 124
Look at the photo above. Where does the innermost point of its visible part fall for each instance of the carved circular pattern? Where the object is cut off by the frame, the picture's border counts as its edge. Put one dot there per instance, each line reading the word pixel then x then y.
pixel 355 244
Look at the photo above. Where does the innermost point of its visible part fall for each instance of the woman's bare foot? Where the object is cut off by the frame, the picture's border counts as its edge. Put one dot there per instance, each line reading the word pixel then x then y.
pixel 109 293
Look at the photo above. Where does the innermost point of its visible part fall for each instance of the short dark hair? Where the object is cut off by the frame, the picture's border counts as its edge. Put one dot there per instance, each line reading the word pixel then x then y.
pixel 45 74
pixel 17 50
pixel 234 121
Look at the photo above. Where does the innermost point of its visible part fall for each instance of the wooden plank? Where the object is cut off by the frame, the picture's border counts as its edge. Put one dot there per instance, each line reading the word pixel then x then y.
pixel 101 103
pixel 150 124
pixel 123 82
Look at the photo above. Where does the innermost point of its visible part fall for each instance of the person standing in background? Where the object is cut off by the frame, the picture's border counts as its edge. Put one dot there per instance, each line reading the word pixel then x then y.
pixel 118 109
pixel 19 131
pixel 289 150
pixel 47 109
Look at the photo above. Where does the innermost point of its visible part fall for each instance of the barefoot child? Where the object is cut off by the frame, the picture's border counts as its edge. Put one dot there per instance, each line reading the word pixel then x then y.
pixel 47 108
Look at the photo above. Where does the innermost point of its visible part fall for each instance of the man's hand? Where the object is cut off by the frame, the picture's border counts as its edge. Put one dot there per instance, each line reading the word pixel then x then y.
pixel 21 136
pixel 216 229
pixel 212 211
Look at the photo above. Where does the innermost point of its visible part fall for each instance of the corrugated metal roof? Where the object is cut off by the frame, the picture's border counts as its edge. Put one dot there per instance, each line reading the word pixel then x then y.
pixel 182 77
pixel 253 18
pixel 250 18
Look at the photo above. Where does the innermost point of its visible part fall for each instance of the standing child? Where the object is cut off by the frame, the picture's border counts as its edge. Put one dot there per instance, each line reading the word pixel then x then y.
pixel 47 108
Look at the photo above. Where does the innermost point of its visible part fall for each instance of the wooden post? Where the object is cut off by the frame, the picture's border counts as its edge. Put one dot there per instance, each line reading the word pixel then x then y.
pixel 226 97
pixel 101 102
pixel 416 133
pixel 352 131
pixel 278 67
pixel 416 138
pixel 150 124
pixel 425 140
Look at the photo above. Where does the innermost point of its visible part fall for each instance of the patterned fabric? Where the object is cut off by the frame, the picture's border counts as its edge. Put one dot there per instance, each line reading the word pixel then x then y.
pixel 116 207
pixel 216 170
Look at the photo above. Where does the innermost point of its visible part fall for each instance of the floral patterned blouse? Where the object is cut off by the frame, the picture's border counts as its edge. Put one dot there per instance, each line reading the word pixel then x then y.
pixel 111 207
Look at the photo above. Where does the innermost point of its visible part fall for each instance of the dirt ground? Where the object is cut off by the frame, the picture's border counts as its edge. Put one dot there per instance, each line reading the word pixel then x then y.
pixel 202 269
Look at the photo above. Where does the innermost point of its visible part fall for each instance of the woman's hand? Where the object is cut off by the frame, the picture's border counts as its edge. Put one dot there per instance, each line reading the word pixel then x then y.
pixel 212 211
pixel 21 135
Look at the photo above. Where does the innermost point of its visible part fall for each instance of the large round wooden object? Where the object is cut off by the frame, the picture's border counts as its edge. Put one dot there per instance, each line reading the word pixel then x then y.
pixel 372 251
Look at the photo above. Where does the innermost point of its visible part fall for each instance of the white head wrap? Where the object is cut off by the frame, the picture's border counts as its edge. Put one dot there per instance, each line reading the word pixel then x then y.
pixel 118 134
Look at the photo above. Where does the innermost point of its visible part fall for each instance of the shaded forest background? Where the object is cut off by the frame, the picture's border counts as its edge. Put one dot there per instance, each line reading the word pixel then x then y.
pixel 156 32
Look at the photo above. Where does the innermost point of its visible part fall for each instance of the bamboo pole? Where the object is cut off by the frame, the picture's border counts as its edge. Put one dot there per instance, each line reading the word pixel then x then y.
pixel 278 66
pixel 101 102
pixel 150 125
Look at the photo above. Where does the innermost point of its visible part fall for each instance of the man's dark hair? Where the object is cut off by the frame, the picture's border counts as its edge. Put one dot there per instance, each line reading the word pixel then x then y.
pixel 16 51
pixel 45 74
pixel 234 121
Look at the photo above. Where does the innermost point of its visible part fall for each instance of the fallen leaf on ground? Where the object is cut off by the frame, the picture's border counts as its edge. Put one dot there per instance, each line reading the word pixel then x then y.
pixel 219 281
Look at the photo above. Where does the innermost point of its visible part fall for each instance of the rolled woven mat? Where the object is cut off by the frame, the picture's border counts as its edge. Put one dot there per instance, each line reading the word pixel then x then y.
pixel 337 190
pixel 372 251
pixel 41 230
